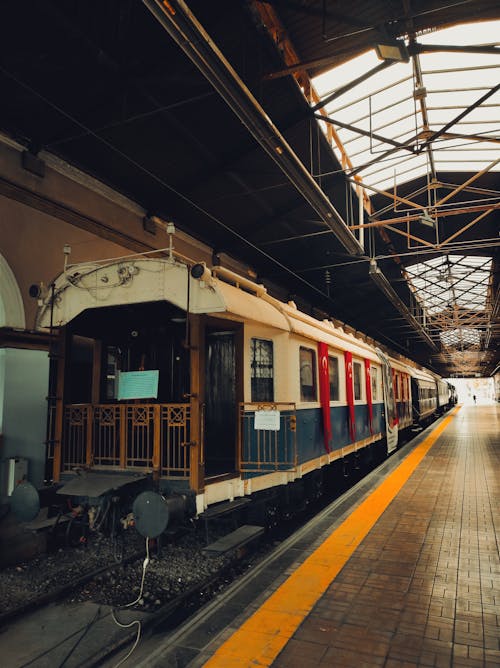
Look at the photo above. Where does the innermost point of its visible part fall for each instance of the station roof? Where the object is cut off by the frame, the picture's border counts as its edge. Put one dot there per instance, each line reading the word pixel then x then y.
pixel 227 118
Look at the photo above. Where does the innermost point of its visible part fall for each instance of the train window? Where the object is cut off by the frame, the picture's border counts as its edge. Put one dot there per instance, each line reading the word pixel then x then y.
pixel 333 372
pixel 356 374
pixel 307 374
pixel 262 370
pixel 374 378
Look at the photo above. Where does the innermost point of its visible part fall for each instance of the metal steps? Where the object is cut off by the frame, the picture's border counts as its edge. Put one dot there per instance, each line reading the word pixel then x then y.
pixel 241 536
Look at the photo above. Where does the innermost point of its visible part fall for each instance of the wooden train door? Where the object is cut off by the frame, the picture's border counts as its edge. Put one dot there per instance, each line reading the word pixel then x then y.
pixel 221 400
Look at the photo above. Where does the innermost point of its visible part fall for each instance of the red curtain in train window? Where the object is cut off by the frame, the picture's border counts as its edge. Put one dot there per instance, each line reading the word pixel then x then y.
pixel 369 399
pixel 350 394
pixel 324 393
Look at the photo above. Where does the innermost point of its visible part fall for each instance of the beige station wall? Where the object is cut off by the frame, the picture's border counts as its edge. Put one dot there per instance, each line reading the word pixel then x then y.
pixel 32 244
pixel 97 223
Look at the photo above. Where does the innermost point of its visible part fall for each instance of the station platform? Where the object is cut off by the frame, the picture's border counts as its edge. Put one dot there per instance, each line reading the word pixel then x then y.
pixel 403 570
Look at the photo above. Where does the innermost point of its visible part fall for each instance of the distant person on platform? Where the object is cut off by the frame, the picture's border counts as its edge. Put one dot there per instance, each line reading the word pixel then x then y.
pixel 474 398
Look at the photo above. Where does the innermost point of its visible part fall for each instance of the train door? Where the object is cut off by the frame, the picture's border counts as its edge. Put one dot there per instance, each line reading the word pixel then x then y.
pixel 221 401
pixel 390 408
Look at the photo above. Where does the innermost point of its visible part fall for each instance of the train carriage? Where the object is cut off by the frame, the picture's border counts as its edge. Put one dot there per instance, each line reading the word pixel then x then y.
pixel 425 399
pixel 208 383
pixel 443 395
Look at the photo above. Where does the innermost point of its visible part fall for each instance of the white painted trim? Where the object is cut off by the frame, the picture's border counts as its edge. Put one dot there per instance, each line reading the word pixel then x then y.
pixel 228 490
pixel 11 301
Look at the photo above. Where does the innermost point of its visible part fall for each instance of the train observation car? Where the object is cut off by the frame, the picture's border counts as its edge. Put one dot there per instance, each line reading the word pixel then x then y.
pixel 201 379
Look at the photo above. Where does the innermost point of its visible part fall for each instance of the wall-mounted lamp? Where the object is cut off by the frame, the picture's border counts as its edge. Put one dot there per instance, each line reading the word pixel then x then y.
pixel 67 253
pixel 170 232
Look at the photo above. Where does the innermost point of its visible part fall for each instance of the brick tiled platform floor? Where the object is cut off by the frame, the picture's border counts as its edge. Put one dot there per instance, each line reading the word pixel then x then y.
pixel 423 588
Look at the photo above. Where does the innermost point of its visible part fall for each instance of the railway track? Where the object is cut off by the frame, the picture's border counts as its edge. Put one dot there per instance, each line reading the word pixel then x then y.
pixel 189 642
pixel 167 593
pixel 60 592
pixel 74 624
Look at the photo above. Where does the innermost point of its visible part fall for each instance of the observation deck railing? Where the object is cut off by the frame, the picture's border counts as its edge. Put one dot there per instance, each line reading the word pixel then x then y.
pixel 267 450
pixel 135 437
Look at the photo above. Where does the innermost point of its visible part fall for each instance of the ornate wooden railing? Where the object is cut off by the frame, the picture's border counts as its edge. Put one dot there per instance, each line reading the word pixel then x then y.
pixel 128 436
pixel 264 450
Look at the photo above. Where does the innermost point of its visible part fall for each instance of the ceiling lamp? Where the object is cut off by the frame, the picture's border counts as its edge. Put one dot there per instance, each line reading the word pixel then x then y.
pixel 426 219
pixel 393 50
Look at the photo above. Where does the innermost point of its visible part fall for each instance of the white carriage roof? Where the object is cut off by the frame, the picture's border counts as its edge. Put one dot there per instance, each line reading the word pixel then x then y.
pixel 138 280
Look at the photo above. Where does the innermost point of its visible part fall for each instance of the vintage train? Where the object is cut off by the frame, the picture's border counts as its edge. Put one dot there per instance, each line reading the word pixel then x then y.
pixel 201 383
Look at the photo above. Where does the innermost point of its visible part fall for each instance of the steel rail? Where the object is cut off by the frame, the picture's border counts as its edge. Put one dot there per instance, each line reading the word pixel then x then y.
pixel 63 590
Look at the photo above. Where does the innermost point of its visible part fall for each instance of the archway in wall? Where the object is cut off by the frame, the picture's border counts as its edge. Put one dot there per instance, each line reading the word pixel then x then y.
pixel 23 388
pixel 11 302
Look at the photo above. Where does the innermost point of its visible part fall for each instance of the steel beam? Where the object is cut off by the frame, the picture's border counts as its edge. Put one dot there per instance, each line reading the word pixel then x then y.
pixel 382 156
pixel 434 48
pixel 189 35
pixel 352 84
pixel 458 118
pixel 478 138
pixel 278 34
pixel 467 183
pixel 383 284
pixel 438 214
pixel 364 133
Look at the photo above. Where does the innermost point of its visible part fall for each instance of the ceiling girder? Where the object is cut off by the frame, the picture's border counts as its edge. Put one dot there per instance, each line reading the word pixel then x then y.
pixel 435 48
pixel 458 118
pixel 182 26
pixel 352 84
pixel 364 133
pixel 185 30
pixel 478 138
pixel 467 183
pixel 459 210
pixel 413 49
pixel 381 281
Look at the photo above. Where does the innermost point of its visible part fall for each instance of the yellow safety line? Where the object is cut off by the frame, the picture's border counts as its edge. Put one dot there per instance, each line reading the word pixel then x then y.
pixel 262 637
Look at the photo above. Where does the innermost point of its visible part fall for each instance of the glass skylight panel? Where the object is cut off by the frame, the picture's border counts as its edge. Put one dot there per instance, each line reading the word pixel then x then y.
pixel 389 170
pixel 458 336
pixel 454 280
pixel 384 104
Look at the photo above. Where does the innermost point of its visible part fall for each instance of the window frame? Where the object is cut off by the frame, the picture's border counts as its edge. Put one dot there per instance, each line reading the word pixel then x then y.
pixel 357 364
pixel 338 399
pixel 253 368
pixel 374 378
pixel 314 386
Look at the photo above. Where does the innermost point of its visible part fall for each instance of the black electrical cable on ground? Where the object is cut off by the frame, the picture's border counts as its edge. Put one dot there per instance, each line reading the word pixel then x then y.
pixel 86 630
pixel 51 649
pixel 135 622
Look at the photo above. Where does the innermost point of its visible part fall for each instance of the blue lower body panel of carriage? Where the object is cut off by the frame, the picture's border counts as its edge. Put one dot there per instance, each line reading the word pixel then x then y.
pixel 300 437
